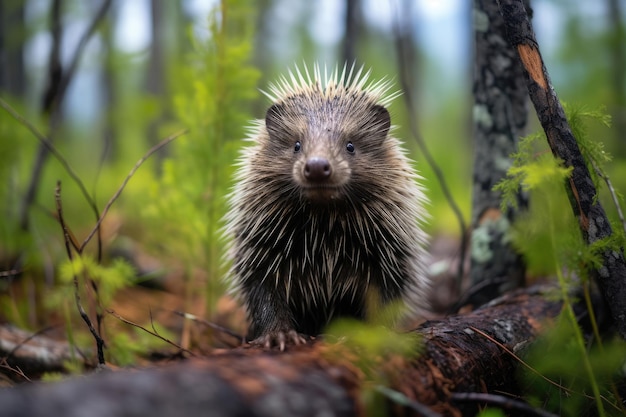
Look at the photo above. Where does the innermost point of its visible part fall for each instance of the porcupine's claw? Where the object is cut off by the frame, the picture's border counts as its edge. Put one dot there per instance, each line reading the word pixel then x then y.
pixel 280 338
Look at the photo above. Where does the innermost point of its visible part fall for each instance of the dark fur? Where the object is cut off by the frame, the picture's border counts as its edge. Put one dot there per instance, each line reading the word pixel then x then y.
pixel 308 249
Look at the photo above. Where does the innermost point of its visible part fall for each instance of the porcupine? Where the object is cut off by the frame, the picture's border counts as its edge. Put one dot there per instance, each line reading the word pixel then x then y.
pixel 326 209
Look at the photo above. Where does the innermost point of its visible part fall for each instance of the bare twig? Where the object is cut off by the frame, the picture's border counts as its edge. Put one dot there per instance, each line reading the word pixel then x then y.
pixel 54 59
pixel 70 240
pixel 59 81
pixel 211 325
pixel 501 401
pixel 48 145
pixel 400 398
pixel 82 44
pixel 403 69
pixel 128 177
pixel 609 184
pixel 520 360
pixel 16 370
pixel 534 371
pixel 83 314
pixel 10 273
pixel 26 340
pixel 45 142
pixel 152 332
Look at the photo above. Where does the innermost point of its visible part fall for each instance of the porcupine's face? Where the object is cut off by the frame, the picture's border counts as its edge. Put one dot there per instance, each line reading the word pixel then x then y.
pixel 326 201
pixel 334 142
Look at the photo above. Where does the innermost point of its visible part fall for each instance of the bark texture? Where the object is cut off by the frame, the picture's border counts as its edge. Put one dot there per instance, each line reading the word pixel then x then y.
pixel 500 116
pixel 32 354
pixel 351 36
pixel 468 353
pixel 593 222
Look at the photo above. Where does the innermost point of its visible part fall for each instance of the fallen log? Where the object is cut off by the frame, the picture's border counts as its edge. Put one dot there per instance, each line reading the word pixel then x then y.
pixel 32 354
pixel 473 352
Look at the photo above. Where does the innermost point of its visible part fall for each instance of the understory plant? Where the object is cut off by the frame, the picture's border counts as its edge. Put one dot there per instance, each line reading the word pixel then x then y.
pixel 574 370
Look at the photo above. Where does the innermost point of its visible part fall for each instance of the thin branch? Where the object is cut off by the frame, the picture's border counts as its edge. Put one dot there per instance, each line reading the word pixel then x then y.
pixel 609 184
pixel 26 340
pixel 534 371
pixel 506 403
pixel 401 399
pixel 4 364
pixel 128 177
pixel 45 142
pixel 153 333
pixel 82 44
pixel 48 145
pixel 475 289
pixel 10 273
pixel 54 59
pixel 70 240
pixel 210 325
pixel 83 314
pixel 409 102
pixel 54 96
pixel 520 360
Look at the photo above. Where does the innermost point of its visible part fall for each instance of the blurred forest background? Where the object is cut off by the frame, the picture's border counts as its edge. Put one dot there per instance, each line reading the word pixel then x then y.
pixel 104 81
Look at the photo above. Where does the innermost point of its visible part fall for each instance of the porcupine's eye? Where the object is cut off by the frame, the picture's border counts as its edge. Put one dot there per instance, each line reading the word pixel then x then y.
pixel 350 148
pixel 297 147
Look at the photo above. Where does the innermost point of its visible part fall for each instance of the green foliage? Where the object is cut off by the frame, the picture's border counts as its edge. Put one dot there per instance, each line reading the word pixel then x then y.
pixel 548 236
pixel 535 234
pixel 124 348
pixel 533 147
pixel 16 146
pixel 560 384
pixel 109 279
pixel 372 342
pixel 547 233
pixel 371 347
pixel 491 412
pixel 52 377
pixel 213 87
pixel 579 118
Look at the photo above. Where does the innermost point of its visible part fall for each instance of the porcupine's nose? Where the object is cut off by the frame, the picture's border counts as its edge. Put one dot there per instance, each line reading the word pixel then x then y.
pixel 317 169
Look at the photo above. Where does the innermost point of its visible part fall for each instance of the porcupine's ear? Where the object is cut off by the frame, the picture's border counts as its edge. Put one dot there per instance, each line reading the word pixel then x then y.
pixel 380 121
pixel 273 119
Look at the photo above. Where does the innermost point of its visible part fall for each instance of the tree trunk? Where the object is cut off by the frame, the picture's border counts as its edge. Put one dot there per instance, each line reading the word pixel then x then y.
pixel 500 116
pixel 12 36
pixel 351 34
pixel 155 76
pixel 110 147
pixel 593 222
pixel 618 69
pixel 50 106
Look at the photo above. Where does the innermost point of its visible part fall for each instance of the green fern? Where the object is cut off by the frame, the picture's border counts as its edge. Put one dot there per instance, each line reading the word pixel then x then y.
pixel 558 357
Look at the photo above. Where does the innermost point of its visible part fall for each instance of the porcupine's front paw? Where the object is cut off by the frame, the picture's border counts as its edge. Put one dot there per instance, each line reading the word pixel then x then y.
pixel 280 339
